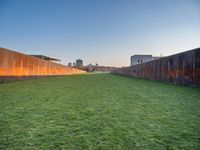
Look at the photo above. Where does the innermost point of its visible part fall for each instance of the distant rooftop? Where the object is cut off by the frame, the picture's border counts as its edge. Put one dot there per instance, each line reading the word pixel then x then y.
pixel 45 57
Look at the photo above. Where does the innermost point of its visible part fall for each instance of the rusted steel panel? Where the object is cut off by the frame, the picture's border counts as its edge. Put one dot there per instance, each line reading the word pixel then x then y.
pixel 179 65
pixel 14 64
pixel 182 68
pixel 188 68
pixel 172 72
pixel 197 68
pixel 164 70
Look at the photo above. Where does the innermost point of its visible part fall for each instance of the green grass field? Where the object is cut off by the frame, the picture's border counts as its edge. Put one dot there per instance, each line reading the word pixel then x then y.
pixel 98 111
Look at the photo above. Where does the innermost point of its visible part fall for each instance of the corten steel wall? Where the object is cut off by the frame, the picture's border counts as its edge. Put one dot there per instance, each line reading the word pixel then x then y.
pixel 14 65
pixel 182 68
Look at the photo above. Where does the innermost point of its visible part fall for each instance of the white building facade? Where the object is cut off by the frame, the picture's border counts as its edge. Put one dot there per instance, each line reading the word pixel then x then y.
pixel 138 59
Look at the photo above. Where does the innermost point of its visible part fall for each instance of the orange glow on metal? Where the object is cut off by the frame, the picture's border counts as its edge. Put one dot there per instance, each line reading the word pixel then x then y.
pixel 17 64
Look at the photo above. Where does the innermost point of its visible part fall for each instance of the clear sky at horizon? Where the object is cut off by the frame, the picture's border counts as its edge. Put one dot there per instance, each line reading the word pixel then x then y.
pixel 104 31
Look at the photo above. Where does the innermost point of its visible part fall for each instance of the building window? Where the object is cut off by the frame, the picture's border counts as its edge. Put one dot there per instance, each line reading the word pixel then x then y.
pixel 141 61
pixel 138 61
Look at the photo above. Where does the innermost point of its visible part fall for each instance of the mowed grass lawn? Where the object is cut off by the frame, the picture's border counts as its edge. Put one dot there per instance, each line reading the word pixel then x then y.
pixel 98 111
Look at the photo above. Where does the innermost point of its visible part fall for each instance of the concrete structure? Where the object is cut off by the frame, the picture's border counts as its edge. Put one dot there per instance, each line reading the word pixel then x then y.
pixel 182 68
pixel 79 63
pixel 138 59
pixel 15 64
pixel 43 57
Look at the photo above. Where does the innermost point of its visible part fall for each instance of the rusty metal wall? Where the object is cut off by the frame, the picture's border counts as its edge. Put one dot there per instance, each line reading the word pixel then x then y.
pixel 15 64
pixel 182 68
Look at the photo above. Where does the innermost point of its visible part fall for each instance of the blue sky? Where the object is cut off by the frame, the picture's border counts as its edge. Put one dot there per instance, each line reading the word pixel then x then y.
pixel 104 31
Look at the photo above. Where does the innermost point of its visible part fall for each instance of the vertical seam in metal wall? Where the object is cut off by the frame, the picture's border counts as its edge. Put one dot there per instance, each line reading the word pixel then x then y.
pixel 194 68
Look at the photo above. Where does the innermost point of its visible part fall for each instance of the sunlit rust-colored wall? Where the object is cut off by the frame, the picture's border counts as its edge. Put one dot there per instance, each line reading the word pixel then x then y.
pixel 17 64
pixel 182 68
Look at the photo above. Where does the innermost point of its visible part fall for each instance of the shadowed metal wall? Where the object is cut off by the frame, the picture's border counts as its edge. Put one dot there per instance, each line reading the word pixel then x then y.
pixel 14 64
pixel 182 68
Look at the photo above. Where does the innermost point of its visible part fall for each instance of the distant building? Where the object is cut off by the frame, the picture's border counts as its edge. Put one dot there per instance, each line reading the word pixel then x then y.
pixel 138 59
pixel 90 67
pixel 96 64
pixel 79 63
pixel 96 68
pixel 69 64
